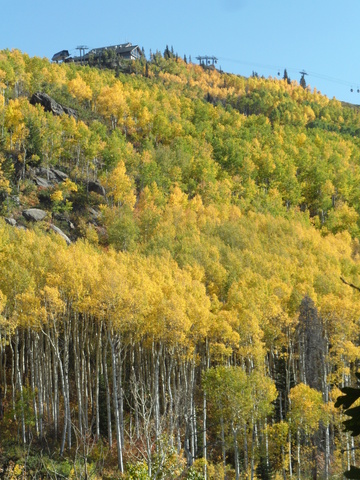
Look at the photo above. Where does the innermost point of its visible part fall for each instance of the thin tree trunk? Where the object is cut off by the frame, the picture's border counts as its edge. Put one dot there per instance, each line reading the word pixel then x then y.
pixel 353 459
pixel 114 344
pixel 55 373
pixel 246 452
pixel 236 455
pixel 20 386
pixel 108 399
pixel 77 374
pixel 97 381
pixel 298 454
pixel 223 444
pixel 204 436
pixel 290 452
pixel 155 382
pixel 253 450
pixel 39 383
pixel 33 360
pixel 66 378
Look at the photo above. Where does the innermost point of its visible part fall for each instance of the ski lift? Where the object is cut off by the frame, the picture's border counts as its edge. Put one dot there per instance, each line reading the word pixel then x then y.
pixel 279 74
pixel 358 90
pixel 351 89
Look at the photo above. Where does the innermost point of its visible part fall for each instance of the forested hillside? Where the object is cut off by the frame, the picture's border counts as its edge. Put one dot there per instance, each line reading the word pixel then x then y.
pixel 171 253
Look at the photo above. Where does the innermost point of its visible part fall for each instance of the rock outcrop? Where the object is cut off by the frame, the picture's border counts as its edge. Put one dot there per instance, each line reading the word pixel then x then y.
pixel 94 213
pixel 47 177
pixel 61 233
pixel 50 105
pixel 58 174
pixel 10 221
pixel 42 182
pixel 34 214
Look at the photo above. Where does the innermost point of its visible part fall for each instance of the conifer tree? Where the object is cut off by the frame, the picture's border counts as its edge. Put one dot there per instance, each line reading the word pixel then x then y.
pixel 286 77
pixel 167 53
pixel 311 345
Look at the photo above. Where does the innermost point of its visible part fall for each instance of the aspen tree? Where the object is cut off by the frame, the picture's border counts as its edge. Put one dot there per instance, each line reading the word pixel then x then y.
pixel 79 89
pixel 305 414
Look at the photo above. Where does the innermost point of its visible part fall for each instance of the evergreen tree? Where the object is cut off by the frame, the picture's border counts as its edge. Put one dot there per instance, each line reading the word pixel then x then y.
pixel 103 420
pixel 311 347
pixel 167 53
pixel 286 77
pixel 263 469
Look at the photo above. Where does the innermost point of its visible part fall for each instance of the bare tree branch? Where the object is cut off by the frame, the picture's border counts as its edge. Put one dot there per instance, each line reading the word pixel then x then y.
pixel 350 284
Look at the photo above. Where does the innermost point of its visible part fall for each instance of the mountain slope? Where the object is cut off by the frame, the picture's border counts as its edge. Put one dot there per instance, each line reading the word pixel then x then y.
pixel 205 221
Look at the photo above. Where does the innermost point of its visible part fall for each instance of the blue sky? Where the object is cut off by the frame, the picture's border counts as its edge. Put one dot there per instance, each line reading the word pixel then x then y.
pixel 261 35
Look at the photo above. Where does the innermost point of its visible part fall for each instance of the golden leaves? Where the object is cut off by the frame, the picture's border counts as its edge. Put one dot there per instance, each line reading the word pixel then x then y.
pixel 119 187
pixel 79 89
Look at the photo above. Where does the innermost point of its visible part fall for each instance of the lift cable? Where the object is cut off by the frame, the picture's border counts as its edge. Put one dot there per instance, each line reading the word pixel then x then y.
pixel 292 70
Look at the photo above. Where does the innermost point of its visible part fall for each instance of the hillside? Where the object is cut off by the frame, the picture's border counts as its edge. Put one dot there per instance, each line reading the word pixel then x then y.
pixel 171 252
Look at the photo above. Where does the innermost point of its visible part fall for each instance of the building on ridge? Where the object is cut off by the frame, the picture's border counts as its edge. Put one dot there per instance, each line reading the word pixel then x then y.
pixel 125 51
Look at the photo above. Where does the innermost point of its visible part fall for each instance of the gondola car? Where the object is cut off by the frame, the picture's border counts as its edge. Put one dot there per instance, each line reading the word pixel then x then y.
pixel 60 56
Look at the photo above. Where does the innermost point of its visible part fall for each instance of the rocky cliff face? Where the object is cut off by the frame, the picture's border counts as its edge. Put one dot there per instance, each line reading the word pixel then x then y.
pixel 50 105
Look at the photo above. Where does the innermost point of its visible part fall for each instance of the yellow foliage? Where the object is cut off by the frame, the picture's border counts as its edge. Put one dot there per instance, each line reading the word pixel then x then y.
pixel 57 196
pixel 69 186
pixel 79 89
pixel 119 187
pixel 307 408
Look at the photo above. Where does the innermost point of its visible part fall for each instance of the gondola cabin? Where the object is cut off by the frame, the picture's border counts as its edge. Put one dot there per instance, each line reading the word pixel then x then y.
pixel 60 56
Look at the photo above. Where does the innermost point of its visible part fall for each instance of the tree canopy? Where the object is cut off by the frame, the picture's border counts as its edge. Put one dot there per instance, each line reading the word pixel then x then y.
pixel 191 319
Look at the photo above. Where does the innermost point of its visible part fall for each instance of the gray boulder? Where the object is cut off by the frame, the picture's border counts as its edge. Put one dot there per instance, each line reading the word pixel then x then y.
pixel 10 221
pixel 34 214
pixel 94 213
pixel 42 182
pixel 61 233
pixel 46 177
pixel 70 111
pixel 50 105
pixel 59 175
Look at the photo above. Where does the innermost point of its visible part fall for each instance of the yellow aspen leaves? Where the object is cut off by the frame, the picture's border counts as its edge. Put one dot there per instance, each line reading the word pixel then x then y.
pixel 79 89
pixel 119 187
pixel 307 408
pixel 57 196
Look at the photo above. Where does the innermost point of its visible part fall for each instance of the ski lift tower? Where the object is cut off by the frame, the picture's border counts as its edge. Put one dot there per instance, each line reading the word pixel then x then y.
pixel 82 49
pixel 207 61
pixel 302 79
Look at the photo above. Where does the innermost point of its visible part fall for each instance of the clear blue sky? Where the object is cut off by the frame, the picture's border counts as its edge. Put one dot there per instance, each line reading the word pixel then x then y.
pixel 261 35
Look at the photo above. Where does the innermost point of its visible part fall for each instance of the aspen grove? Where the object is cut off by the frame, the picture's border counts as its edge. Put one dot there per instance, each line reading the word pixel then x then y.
pixel 195 317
